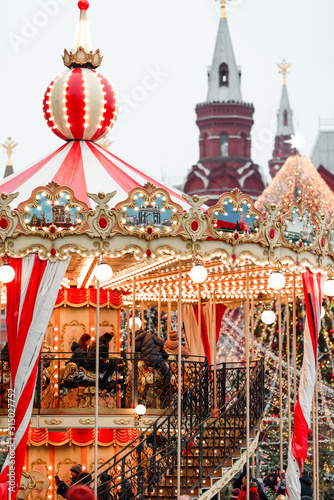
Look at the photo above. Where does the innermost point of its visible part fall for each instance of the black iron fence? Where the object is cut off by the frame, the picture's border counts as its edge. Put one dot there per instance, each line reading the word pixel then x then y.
pixel 124 381
pixel 148 466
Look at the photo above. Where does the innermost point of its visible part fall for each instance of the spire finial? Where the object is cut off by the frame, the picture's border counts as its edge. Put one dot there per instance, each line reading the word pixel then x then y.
pixel 82 53
pixel 223 9
pixel 284 66
pixel 9 146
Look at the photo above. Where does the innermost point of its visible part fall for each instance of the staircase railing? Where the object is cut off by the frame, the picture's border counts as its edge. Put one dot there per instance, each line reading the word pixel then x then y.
pixel 150 467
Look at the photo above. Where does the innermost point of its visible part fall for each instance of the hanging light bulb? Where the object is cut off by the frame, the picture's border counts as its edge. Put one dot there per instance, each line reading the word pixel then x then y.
pixel 276 280
pixel 322 312
pixel 268 317
pixel 140 410
pixel 7 273
pixel 328 287
pixel 198 273
pixel 103 272
pixel 137 322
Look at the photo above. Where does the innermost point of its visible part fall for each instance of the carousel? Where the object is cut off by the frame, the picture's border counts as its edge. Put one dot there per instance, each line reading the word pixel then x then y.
pixel 92 246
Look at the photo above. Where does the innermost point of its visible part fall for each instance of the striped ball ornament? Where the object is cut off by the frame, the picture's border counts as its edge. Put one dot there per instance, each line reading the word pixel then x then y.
pixel 80 104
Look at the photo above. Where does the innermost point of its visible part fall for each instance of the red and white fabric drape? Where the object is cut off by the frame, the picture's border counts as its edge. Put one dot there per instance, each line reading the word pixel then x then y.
pixel 312 285
pixel 31 297
pixel 201 346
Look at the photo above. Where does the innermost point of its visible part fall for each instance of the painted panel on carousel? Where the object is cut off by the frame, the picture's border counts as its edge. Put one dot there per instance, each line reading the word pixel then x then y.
pixel 149 212
pixel 53 211
pixel 299 227
pixel 235 219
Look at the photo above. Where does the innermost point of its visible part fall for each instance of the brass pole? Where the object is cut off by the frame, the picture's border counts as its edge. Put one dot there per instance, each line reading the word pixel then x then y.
pixel 159 311
pixel 280 350
pixel 179 393
pixel 97 358
pixel 128 328
pixel 247 379
pixel 314 441
pixel 142 310
pixel 294 347
pixel 215 353
pixel 288 365
pixel 133 315
pixel 200 316
pixel 252 326
pixel 169 317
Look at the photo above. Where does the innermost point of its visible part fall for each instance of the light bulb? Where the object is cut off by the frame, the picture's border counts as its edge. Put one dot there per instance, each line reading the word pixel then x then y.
pixel 7 273
pixel 137 322
pixel 103 272
pixel 268 317
pixel 198 273
pixel 328 287
pixel 140 410
pixel 276 280
pixel 322 312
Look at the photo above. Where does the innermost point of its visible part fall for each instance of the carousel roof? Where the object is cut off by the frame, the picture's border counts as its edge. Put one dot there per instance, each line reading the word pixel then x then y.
pixel 85 167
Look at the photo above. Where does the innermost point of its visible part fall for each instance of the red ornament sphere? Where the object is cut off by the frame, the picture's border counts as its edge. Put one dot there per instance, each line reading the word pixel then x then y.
pixel 148 252
pixel 4 223
pixel 149 230
pixel 103 222
pixel 233 257
pixel 83 4
pixel 272 233
pixel 80 104
pixel 236 236
pixel 52 229
pixel 53 251
pixel 323 241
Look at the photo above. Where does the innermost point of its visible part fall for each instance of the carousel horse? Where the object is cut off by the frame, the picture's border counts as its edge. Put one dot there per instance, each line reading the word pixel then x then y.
pixel 31 481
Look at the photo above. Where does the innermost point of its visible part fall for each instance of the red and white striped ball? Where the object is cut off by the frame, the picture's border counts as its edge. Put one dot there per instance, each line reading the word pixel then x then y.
pixel 80 104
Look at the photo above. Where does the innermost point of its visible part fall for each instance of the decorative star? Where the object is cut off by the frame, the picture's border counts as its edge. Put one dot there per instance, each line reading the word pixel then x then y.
pixel 297 141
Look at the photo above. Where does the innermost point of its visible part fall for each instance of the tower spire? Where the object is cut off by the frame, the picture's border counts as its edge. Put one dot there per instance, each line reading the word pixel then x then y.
pixel 223 9
pixel 284 66
pixel 9 146
pixel 224 74
pixel 285 128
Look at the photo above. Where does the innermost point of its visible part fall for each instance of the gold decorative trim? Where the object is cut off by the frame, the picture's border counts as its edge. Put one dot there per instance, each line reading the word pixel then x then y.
pixel 121 421
pixel 53 421
pixel 63 330
pixel 87 421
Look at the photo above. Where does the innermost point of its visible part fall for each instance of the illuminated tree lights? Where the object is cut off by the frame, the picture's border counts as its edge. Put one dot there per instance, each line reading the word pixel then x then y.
pixel 298 179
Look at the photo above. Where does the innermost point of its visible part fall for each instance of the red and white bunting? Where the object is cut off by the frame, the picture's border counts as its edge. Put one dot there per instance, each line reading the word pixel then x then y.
pixel 31 298
pixel 302 418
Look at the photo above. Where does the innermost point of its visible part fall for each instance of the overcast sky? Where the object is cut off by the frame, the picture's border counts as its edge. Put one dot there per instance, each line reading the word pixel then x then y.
pixel 173 41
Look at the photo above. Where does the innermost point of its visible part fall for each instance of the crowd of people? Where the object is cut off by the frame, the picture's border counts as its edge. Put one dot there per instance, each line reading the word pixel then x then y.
pixel 257 487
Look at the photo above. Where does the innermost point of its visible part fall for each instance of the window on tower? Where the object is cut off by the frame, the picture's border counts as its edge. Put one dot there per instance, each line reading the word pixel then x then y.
pixel 223 75
pixel 223 145
pixel 285 118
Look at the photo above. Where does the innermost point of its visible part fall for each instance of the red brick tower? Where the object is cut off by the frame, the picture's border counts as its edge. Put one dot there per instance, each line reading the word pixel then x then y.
pixel 225 124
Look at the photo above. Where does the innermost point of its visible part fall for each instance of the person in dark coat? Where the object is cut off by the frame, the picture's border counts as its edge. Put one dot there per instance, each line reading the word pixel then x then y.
pixel 4 355
pixel 306 485
pixel 149 345
pixel 280 488
pixel 62 487
pixel 80 350
pixel 238 483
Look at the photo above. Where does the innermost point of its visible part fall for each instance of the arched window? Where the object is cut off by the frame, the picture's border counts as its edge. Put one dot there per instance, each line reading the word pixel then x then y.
pixel 285 118
pixel 223 75
pixel 223 145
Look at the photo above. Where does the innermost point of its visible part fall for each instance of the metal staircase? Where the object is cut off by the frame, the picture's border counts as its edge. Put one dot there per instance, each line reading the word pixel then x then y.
pixel 212 440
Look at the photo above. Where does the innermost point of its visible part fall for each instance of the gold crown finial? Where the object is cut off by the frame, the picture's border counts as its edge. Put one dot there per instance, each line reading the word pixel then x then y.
pixel 284 66
pixel 9 146
pixel 223 9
